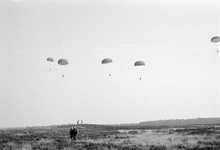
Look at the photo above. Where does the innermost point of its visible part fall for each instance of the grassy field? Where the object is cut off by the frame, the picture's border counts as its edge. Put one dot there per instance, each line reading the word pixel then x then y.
pixel 109 137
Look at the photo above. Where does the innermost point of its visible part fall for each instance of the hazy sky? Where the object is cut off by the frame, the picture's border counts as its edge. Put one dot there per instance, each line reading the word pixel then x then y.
pixel 180 79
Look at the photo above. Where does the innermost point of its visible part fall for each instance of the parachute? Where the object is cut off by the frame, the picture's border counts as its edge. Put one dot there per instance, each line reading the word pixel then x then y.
pixel 63 62
pixel 215 39
pixel 50 59
pixel 139 63
pixel 107 60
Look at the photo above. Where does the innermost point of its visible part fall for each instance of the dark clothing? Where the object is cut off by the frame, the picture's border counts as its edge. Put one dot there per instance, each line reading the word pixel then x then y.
pixel 73 133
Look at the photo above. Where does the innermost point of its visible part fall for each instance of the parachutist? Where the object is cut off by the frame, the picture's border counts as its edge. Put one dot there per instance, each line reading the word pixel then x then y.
pixel 107 61
pixel 139 63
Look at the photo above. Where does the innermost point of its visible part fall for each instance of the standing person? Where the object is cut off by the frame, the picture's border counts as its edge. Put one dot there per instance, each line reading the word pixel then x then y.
pixel 73 133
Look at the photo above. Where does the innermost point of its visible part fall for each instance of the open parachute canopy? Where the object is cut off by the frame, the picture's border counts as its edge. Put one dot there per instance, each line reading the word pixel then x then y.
pixel 215 39
pixel 139 63
pixel 63 61
pixel 107 60
pixel 50 59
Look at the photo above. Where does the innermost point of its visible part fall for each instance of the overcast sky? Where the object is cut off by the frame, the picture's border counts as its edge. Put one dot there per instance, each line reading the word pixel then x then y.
pixel 180 79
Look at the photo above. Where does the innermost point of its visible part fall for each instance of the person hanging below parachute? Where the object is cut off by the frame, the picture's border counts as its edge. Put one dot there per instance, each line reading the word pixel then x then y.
pixel 107 61
pixel 139 63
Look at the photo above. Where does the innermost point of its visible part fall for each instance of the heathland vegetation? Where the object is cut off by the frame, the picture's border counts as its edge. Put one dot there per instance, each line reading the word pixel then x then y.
pixel 112 137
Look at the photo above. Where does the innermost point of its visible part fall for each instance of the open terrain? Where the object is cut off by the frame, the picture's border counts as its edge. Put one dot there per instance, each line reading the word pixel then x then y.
pixel 112 137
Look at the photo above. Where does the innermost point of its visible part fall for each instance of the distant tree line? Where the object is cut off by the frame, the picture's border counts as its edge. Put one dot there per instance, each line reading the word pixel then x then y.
pixel 180 122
